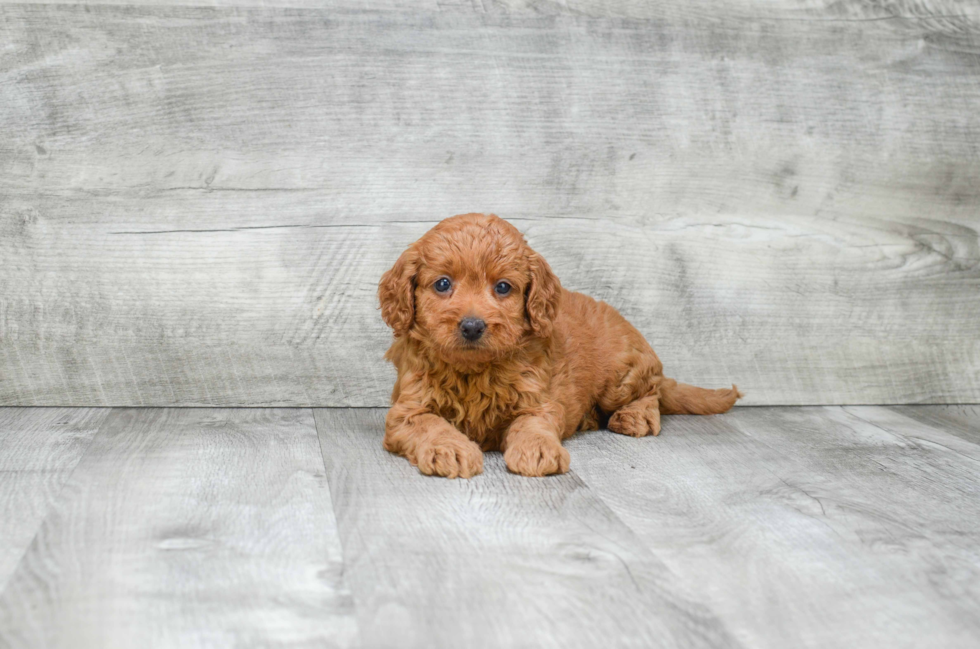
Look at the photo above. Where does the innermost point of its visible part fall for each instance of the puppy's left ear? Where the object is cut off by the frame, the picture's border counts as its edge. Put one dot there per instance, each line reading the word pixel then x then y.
pixel 543 297
pixel 396 292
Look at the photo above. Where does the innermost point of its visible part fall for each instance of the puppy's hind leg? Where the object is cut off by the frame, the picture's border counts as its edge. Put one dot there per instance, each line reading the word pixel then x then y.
pixel 642 416
pixel 638 418
pixel 634 400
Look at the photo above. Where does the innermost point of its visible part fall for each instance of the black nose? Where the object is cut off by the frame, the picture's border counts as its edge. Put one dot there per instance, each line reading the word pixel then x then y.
pixel 472 328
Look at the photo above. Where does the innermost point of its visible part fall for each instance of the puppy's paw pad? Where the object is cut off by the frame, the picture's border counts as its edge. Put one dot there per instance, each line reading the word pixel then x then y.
pixel 535 456
pixel 635 422
pixel 462 459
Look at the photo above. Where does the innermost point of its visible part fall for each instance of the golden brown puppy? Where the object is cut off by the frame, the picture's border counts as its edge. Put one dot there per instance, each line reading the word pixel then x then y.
pixel 493 354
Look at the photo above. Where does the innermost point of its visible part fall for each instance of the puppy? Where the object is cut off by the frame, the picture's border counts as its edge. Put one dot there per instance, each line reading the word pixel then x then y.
pixel 493 354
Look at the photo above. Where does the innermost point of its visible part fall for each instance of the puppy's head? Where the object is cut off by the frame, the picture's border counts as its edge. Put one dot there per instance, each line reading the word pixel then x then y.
pixel 472 288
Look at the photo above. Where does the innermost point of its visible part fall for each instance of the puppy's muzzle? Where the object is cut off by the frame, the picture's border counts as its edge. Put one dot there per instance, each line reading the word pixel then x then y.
pixel 472 328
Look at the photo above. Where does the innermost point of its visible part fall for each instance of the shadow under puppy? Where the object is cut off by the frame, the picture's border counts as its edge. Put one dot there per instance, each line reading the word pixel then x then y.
pixel 493 354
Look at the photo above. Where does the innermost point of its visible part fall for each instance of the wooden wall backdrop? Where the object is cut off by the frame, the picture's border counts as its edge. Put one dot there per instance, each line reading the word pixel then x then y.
pixel 196 202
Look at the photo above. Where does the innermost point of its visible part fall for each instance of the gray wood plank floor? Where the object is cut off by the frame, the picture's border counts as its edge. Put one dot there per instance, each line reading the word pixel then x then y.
pixel 809 527
pixel 184 528
pixel 766 527
pixel 38 451
pixel 498 561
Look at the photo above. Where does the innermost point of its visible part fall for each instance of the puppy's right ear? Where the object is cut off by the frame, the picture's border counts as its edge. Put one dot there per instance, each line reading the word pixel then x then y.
pixel 396 291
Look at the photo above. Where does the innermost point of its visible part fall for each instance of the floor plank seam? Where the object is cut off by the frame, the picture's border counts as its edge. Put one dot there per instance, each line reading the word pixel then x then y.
pixel 914 440
pixel 340 536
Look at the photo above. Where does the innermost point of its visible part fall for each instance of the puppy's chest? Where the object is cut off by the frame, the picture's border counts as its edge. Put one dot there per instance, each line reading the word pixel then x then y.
pixel 481 407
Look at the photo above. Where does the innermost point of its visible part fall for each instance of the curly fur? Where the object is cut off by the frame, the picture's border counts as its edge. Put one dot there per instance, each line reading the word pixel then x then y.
pixel 551 361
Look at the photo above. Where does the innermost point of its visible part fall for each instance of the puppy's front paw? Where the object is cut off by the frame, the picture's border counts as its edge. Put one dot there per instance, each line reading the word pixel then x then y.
pixel 450 458
pixel 536 455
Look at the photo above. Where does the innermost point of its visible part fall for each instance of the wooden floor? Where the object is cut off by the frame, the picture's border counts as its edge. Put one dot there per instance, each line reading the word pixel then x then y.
pixel 767 527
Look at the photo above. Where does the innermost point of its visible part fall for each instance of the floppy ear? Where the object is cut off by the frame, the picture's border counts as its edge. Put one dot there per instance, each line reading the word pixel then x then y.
pixel 543 296
pixel 396 291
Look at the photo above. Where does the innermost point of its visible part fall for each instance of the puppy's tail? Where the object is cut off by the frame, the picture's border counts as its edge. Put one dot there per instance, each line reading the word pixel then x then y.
pixel 683 399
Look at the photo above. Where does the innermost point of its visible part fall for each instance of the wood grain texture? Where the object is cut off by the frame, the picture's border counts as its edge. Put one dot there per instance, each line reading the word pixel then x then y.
pixel 184 528
pixel 945 18
pixel 196 203
pixel 810 527
pixel 962 421
pixel 766 527
pixel 496 561
pixel 39 448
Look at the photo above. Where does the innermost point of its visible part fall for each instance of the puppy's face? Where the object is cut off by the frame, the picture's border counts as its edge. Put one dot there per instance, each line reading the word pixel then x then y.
pixel 472 289
pixel 469 293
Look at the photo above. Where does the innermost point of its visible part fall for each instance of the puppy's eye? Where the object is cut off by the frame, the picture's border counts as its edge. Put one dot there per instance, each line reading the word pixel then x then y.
pixel 442 285
pixel 502 288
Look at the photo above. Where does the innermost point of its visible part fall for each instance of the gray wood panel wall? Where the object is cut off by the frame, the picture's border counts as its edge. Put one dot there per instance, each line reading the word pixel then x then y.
pixel 196 202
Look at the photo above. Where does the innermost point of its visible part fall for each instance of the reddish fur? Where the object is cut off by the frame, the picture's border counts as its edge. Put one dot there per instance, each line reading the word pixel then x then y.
pixel 550 363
